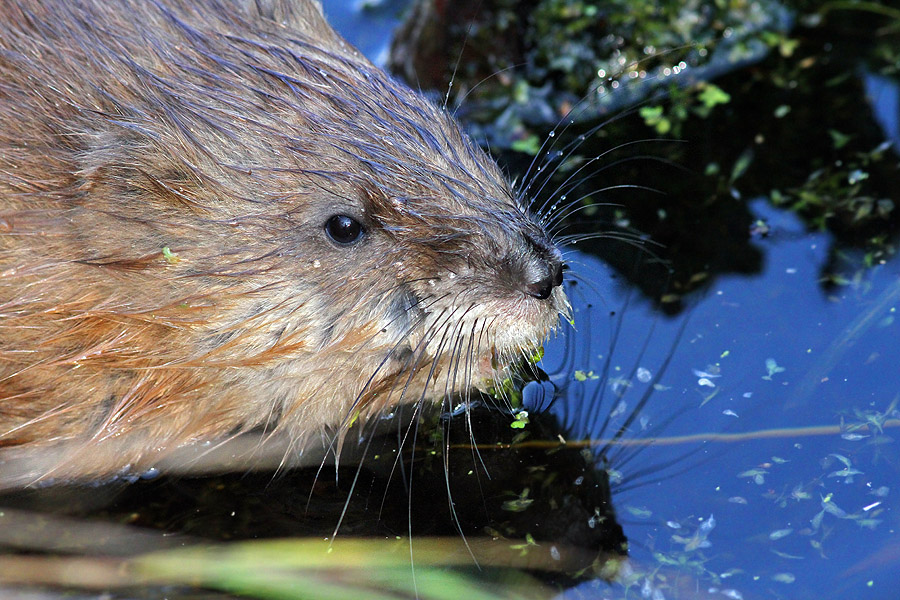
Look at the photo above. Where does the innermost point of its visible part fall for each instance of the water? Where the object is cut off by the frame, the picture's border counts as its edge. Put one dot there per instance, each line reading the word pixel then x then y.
pixel 804 503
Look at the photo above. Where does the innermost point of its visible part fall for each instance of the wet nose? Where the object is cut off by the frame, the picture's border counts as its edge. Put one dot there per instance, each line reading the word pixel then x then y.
pixel 552 277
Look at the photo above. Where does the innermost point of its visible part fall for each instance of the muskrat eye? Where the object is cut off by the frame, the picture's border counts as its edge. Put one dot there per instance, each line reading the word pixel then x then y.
pixel 343 230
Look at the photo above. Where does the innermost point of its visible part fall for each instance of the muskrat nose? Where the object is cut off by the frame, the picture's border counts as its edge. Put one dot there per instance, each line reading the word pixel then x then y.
pixel 545 268
pixel 553 277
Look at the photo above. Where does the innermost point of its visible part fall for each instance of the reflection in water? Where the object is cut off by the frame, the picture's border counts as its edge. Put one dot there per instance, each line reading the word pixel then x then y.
pixel 883 94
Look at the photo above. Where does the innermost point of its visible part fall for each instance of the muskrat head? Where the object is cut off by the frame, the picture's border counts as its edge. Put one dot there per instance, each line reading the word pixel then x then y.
pixel 422 271
pixel 423 245
pixel 454 278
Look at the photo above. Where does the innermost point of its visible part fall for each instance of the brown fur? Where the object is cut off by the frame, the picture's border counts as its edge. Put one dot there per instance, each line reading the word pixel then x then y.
pixel 227 134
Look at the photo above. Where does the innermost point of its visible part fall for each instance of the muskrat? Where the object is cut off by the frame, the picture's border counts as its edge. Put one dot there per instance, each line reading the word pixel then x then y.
pixel 218 217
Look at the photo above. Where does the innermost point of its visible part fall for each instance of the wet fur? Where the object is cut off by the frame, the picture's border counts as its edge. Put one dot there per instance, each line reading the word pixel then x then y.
pixel 165 173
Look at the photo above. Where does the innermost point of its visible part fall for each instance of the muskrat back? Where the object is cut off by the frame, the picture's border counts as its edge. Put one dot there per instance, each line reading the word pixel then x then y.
pixel 218 217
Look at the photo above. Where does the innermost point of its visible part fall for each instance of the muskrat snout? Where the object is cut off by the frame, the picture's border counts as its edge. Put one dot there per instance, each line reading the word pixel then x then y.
pixel 546 270
pixel 542 288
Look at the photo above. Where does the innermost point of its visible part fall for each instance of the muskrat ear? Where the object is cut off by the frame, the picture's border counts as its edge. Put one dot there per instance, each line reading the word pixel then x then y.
pixel 303 16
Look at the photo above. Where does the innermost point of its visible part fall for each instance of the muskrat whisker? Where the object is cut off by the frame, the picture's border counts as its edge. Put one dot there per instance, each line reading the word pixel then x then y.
pixel 577 205
pixel 556 135
pixel 477 457
pixel 471 353
pixel 412 360
pixel 350 492
pixel 415 354
pixel 336 441
pixel 575 276
pixel 456 353
pixel 629 237
pixel 445 459
pixel 570 118
pixel 461 100
pixel 417 405
pixel 645 397
pixel 560 156
pixel 567 187
pixel 567 365
pixel 573 180
pixel 625 237
pixel 456 356
pixel 586 357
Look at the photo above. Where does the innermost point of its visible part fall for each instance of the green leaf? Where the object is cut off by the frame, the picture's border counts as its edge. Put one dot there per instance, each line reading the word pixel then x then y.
pixel 713 95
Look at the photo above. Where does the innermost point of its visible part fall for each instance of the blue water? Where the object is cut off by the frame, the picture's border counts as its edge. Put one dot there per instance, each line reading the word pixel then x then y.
pixel 774 534
pixel 366 23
